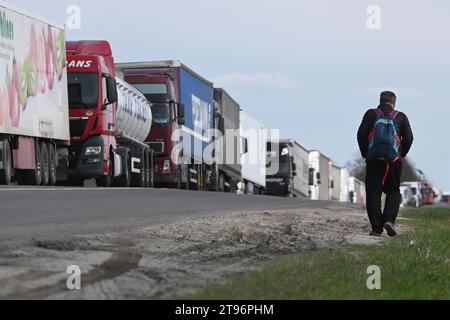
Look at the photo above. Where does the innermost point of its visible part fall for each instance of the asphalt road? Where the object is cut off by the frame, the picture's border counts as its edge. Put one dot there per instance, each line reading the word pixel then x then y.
pixel 27 213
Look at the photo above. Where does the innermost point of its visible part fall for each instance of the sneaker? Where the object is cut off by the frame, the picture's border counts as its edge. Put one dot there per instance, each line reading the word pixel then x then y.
pixel 375 234
pixel 390 228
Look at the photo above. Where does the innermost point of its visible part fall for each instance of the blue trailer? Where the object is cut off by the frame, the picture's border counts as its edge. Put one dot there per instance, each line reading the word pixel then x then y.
pixel 182 103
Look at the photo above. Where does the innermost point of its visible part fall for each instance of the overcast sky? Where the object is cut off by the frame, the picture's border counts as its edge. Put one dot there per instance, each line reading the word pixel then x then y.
pixel 309 68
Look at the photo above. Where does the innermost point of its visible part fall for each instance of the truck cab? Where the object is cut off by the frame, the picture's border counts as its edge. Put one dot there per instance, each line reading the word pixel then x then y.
pixel 92 97
pixel 160 88
pixel 281 182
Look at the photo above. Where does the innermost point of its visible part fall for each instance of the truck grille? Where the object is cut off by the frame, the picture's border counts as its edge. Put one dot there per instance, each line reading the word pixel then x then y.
pixel 157 147
pixel 77 126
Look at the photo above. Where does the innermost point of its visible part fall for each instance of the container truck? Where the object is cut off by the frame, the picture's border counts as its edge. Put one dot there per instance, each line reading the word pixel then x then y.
pixel 227 173
pixel 319 176
pixel 254 155
pixel 183 120
pixel 287 169
pixel 109 121
pixel 34 115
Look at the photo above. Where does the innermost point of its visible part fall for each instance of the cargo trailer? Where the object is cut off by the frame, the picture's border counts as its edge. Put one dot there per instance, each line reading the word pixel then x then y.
pixel 253 160
pixel 34 113
pixel 319 176
pixel 227 153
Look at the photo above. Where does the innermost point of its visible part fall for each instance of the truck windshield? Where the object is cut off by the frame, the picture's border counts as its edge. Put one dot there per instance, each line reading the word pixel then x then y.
pixel 83 90
pixel 161 114
pixel 151 88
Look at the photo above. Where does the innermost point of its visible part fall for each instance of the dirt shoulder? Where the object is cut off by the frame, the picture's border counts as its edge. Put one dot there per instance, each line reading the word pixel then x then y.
pixel 168 260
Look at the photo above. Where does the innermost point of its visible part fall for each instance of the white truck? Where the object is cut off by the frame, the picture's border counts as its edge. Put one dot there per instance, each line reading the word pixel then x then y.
pixel 319 176
pixel 253 160
pixel 357 191
pixel 340 181
pixel 34 113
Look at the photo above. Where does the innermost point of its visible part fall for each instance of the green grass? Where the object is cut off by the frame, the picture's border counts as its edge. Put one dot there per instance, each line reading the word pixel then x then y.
pixel 413 266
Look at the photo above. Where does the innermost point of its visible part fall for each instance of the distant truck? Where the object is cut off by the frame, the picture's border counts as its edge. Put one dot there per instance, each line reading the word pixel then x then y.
pixel 228 172
pixel 319 176
pixel 183 111
pixel 254 155
pixel 34 115
pixel 412 194
pixel 340 183
pixel 357 191
pixel 287 169
pixel 109 121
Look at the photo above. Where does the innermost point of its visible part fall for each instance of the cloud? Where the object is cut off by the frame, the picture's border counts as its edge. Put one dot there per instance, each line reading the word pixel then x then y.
pixel 261 80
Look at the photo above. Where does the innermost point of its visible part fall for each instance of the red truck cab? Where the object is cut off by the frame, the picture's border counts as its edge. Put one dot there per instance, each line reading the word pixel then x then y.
pixel 159 87
pixel 92 104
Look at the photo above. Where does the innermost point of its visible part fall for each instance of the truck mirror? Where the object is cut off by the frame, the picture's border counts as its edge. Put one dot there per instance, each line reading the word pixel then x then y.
pixel 180 111
pixel 111 89
pixel 294 167
pixel 294 174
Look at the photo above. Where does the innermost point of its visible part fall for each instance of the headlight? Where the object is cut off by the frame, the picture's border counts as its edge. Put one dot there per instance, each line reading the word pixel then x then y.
pixel 285 152
pixel 93 151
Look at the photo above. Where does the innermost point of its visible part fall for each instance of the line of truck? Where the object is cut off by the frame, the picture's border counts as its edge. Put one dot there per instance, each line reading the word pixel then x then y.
pixel 69 113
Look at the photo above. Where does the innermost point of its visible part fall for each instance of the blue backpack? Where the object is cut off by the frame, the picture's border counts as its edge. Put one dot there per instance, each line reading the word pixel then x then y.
pixel 384 141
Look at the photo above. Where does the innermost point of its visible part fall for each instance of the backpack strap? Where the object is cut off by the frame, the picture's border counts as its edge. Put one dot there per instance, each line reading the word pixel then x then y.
pixel 394 114
pixel 379 113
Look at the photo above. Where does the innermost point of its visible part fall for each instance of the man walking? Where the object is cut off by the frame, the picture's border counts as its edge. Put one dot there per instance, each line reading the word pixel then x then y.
pixel 385 138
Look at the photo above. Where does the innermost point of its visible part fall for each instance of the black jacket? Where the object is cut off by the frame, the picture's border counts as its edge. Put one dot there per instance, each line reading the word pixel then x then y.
pixel 368 122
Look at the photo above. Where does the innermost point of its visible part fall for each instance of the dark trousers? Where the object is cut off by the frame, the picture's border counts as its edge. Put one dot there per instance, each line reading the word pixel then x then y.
pixel 376 173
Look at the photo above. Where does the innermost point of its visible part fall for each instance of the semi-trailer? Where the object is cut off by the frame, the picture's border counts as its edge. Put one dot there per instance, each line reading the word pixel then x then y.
pixel 34 117
pixel 109 121
pixel 183 120
pixel 227 152
pixel 254 155
pixel 287 169
pixel 336 183
pixel 319 176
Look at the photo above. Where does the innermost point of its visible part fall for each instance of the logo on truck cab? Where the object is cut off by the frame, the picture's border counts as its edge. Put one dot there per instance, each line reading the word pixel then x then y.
pixel 80 64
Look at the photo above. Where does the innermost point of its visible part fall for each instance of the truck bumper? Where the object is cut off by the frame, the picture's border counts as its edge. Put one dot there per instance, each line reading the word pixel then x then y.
pixel 86 166
pixel 277 189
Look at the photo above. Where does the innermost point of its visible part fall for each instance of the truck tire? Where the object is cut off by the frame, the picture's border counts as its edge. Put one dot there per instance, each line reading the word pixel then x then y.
pixel 138 180
pixel 6 172
pixel 151 172
pixel 106 181
pixel 45 164
pixel 124 180
pixel 34 177
pixel 221 183
pixel 52 168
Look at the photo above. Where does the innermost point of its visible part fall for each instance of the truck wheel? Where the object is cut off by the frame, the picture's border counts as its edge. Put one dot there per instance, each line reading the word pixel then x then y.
pixel 221 183
pixel 125 179
pixel 106 181
pixel 138 180
pixel 34 177
pixel 45 163
pixel 52 168
pixel 6 172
